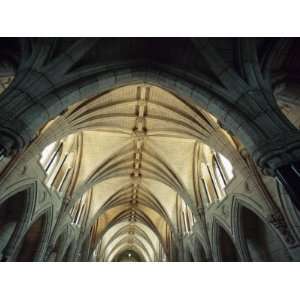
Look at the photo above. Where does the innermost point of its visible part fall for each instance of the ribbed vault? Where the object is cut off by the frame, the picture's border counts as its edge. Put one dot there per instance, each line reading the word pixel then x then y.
pixel 137 149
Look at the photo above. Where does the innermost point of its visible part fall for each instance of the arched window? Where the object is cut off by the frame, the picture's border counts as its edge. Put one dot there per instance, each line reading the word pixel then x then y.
pixel 79 210
pixel 47 155
pixel 186 217
pixel 189 218
pixel 62 185
pixel 208 184
pixel 216 173
pixel 60 175
pixel 225 167
pixel 50 157
pixel 57 159
pixel 219 174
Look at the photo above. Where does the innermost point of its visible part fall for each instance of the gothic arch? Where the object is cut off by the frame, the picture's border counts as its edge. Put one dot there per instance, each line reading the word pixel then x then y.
pixel 125 249
pixel 142 218
pixel 258 240
pixel 123 231
pixel 33 244
pixel 123 256
pixel 166 137
pixel 207 95
pixel 20 215
pixel 11 213
pixel 223 245
pixel 167 180
pixel 123 244
pixel 157 207
pixel 46 232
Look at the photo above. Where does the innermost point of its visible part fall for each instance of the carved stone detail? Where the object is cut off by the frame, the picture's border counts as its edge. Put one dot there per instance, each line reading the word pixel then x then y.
pixel 279 223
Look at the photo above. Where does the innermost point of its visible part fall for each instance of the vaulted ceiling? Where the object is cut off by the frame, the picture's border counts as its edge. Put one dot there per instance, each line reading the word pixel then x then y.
pixel 139 148
pixel 136 147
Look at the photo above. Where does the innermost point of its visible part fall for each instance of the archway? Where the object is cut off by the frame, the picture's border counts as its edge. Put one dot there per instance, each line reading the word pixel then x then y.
pixel 154 67
pixel 11 214
pixel 262 243
pixel 128 256
pixel 227 249
pixel 32 240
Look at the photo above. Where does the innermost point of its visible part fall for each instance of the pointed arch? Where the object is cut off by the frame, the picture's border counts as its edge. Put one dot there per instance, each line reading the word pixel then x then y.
pixel 223 246
pixel 33 243
pixel 16 209
pixel 259 241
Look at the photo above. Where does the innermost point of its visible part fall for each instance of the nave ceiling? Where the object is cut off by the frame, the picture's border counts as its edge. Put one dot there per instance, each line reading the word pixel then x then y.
pixel 126 137
pixel 137 150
